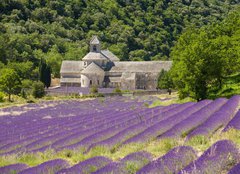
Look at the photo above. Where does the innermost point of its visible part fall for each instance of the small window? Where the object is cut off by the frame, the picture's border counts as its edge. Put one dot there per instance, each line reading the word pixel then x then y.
pixel 90 82
pixel 95 48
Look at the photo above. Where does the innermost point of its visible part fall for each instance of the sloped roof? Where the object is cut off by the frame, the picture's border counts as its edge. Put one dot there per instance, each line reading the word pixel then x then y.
pixel 110 55
pixel 94 56
pixel 141 66
pixel 93 69
pixel 94 40
pixel 71 67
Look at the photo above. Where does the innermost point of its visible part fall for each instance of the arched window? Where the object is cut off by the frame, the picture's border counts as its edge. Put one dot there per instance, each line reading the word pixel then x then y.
pixel 94 48
pixel 90 82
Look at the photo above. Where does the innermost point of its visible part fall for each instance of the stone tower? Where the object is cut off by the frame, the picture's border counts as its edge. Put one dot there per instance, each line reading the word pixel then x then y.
pixel 95 45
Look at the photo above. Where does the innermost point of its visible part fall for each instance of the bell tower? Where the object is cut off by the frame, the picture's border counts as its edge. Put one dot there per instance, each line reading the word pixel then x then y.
pixel 95 45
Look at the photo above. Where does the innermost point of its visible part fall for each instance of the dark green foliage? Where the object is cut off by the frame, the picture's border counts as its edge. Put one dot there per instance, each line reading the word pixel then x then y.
pixel 23 69
pixel 165 80
pixel 1 97
pixel 38 90
pixel 45 73
pixel 42 70
pixel 230 87
pixel 10 82
pixel 117 90
pixel 23 93
pixel 203 57
pixel 48 76
pixel 134 30
pixel 93 90
pixel 27 84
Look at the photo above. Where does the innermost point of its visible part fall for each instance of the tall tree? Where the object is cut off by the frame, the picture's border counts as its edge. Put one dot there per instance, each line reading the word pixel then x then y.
pixel 48 76
pixel 45 73
pixel 203 57
pixel 42 68
pixel 9 82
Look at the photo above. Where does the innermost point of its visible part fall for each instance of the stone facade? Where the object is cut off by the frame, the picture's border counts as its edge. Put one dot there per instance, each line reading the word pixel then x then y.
pixel 102 68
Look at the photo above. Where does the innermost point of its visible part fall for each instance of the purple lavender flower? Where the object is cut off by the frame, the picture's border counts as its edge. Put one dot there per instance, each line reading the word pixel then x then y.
pixel 218 119
pixel 172 162
pixel 147 120
pixel 217 158
pixel 166 124
pixel 48 167
pixel 193 121
pixel 164 116
pixel 128 164
pixel 112 168
pixel 138 156
pixel 234 123
pixel 235 169
pixel 64 123
pixel 14 168
pixel 87 166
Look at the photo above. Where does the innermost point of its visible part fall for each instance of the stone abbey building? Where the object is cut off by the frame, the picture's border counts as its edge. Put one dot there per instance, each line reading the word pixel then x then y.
pixel 103 69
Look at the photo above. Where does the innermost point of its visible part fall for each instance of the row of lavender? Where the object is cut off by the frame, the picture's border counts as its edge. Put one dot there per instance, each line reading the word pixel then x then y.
pixel 112 122
pixel 110 127
pixel 222 156
pixel 79 131
pixel 68 119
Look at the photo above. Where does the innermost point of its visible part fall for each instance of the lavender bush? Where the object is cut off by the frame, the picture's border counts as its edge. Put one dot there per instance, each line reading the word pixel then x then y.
pixel 218 119
pixel 129 164
pixel 172 162
pixel 193 121
pixel 87 166
pixel 14 168
pixel 235 169
pixel 166 124
pixel 112 168
pixel 48 167
pixel 220 156
pixel 234 123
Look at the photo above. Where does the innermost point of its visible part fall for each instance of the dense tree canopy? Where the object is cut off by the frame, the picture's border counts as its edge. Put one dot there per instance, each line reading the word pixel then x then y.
pixel 165 80
pixel 132 29
pixel 9 82
pixel 203 57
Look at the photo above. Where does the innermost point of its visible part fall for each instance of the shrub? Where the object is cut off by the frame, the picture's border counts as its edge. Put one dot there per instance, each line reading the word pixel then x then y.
pixel 117 90
pixel 23 94
pixel 2 97
pixel 27 84
pixel 94 90
pixel 38 90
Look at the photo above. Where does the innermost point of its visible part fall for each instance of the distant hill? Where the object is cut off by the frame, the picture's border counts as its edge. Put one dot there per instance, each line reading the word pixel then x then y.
pixel 132 29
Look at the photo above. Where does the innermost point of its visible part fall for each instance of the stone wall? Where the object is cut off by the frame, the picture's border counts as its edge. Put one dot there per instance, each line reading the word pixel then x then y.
pixel 147 81
pixel 70 84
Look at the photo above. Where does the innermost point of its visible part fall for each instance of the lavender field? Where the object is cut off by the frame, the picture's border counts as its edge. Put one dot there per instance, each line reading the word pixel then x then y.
pixel 121 135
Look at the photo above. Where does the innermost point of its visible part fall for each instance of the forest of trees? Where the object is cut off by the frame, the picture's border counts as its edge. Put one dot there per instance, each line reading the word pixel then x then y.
pixel 200 36
pixel 56 30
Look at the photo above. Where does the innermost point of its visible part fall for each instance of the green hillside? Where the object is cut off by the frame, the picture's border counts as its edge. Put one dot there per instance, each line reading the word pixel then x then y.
pixel 133 30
